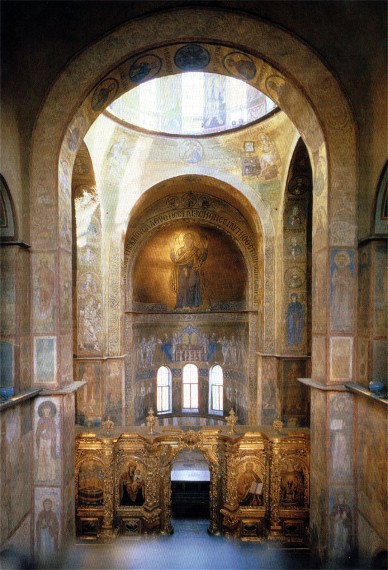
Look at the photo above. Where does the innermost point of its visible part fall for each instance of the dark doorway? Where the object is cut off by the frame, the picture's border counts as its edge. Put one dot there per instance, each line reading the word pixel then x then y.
pixel 190 486
pixel 190 499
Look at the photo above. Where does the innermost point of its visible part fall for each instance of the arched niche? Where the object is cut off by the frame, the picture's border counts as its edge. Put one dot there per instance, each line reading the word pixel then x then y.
pixel 8 221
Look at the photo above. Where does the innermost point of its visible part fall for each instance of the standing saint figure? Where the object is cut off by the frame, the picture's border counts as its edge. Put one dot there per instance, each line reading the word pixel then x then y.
pixel 295 321
pixel 47 529
pixel 46 441
pixel 187 278
pixel 342 287
pixel 341 528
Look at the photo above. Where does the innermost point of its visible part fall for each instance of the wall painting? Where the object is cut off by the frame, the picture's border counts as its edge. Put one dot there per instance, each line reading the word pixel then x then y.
pixel 45 359
pixel 47 440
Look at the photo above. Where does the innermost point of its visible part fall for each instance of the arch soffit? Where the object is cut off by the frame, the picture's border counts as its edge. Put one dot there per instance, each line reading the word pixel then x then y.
pixel 298 65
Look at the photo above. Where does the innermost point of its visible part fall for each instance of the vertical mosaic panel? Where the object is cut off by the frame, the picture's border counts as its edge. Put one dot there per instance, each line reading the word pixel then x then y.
pixel 341 290
pixel 47 436
pixel 43 292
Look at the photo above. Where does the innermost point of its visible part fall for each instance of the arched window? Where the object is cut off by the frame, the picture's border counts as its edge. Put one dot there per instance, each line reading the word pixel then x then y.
pixel 163 382
pixel 190 387
pixel 216 390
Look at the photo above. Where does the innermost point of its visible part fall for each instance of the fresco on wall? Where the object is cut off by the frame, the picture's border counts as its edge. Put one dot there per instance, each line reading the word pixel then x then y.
pixel 132 485
pixel 89 313
pixel 380 359
pixel 319 292
pixel 249 484
pixel 8 292
pixel 380 291
pixel 363 356
pixel 295 395
pixel 68 428
pixel 113 387
pixel 341 358
pixel 341 525
pixel 23 290
pixel 372 464
pixel 16 458
pixel 47 441
pixel 269 390
pixel 25 361
pixel 342 290
pixel 43 271
pixel 89 396
pixel 45 359
pixel 341 437
pixel 6 365
pixel 65 291
pixel 319 362
pixel 47 521
pixel 363 290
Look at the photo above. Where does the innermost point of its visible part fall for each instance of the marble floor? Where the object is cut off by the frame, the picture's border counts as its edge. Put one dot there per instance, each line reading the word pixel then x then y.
pixel 190 547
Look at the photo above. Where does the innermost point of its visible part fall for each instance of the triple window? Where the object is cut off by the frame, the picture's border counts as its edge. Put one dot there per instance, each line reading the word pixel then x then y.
pixel 190 391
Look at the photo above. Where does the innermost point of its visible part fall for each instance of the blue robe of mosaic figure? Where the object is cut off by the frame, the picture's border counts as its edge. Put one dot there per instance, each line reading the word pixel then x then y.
pixel 294 321
pixel 166 348
pixel 188 277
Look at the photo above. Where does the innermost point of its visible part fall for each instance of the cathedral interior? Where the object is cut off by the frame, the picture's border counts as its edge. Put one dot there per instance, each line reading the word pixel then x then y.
pixel 198 322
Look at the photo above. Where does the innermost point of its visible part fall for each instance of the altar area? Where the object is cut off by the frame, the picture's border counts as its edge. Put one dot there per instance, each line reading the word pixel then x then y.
pixel 259 481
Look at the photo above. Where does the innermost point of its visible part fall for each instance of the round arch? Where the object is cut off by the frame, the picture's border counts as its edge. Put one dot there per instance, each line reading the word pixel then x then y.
pixel 287 72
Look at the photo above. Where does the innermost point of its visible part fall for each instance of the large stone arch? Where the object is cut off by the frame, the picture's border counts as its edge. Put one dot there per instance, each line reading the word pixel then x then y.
pixel 297 79
pixel 326 127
